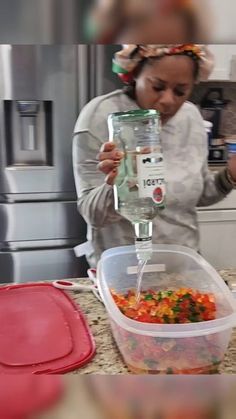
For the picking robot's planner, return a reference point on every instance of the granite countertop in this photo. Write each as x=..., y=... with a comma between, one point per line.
x=216, y=167
x=108, y=359
x=78, y=401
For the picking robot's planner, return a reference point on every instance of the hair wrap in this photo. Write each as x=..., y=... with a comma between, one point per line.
x=127, y=60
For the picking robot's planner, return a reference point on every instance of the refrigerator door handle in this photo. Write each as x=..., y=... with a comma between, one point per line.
x=83, y=90
x=99, y=75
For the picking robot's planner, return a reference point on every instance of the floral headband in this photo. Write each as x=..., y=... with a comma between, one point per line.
x=126, y=61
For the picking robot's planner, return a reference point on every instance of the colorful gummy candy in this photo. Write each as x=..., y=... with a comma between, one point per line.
x=184, y=305
x=166, y=355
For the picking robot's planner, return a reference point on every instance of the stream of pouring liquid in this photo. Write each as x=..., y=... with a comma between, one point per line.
x=141, y=267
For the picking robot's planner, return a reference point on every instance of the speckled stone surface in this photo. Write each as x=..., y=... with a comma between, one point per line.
x=107, y=359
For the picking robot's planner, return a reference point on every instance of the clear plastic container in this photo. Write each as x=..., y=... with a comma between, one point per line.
x=192, y=348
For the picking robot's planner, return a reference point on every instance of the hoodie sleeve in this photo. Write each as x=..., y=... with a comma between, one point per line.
x=216, y=186
x=95, y=197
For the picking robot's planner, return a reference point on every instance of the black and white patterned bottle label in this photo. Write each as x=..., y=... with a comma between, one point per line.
x=150, y=175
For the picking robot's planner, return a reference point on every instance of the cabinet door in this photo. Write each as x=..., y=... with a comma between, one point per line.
x=217, y=237
x=223, y=55
x=223, y=14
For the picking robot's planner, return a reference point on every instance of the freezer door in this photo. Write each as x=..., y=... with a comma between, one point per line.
x=31, y=224
x=41, y=265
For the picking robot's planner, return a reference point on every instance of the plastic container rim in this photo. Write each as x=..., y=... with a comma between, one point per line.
x=171, y=330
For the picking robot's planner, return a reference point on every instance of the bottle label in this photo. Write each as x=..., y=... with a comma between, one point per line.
x=150, y=174
x=131, y=270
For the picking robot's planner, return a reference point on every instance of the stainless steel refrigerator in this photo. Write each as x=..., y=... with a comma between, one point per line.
x=42, y=89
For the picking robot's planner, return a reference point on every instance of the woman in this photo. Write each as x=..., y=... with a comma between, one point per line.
x=160, y=78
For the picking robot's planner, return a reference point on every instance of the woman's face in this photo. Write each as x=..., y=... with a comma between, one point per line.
x=165, y=84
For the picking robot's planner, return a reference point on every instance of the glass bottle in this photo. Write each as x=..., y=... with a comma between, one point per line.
x=139, y=190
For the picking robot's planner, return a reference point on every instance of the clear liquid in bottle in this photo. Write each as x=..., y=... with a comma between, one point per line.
x=139, y=190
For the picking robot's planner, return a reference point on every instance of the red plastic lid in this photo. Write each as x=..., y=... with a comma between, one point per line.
x=24, y=395
x=42, y=331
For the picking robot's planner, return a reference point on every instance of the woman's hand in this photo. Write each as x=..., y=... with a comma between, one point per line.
x=109, y=158
x=232, y=167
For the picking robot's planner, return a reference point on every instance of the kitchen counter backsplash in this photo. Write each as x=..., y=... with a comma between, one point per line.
x=228, y=120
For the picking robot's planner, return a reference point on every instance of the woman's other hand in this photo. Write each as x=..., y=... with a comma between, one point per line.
x=109, y=160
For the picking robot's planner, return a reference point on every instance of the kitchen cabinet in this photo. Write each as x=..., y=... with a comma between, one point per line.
x=217, y=225
x=223, y=57
x=222, y=17
x=218, y=237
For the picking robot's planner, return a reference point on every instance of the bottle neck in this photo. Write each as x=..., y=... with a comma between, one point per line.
x=143, y=240
x=143, y=230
